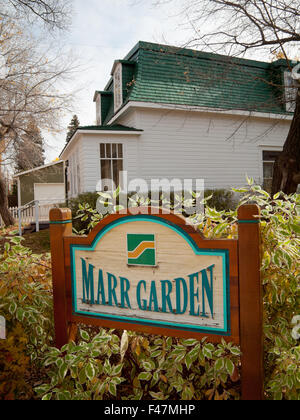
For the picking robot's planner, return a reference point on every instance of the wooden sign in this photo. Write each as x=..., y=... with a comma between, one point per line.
x=155, y=274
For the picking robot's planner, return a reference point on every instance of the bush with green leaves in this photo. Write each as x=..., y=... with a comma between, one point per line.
x=280, y=230
x=134, y=367
x=220, y=199
x=27, y=306
x=126, y=365
x=75, y=204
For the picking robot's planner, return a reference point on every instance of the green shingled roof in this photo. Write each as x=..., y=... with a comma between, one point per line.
x=170, y=75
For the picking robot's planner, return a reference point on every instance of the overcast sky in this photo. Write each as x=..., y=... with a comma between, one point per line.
x=103, y=31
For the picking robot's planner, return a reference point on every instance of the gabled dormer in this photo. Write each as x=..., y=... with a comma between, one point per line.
x=115, y=95
x=289, y=85
x=290, y=89
x=123, y=79
x=103, y=100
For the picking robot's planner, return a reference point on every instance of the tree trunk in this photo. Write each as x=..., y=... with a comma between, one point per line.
x=286, y=175
x=4, y=212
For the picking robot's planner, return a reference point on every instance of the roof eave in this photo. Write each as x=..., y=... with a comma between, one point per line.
x=179, y=107
x=37, y=169
x=104, y=132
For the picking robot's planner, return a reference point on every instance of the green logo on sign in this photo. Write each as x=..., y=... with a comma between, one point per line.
x=141, y=250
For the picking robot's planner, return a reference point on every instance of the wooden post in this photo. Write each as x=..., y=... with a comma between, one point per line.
x=60, y=226
x=251, y=306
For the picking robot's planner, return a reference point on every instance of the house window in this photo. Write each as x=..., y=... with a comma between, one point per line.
x=111, y=161
x=269, y=158
x=98, y=110
x=291, y=89
x=118, y=95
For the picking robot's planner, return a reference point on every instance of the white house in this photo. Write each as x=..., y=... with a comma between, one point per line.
x=178, y=113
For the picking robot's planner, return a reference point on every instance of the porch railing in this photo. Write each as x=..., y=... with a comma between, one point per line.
x=31, y=212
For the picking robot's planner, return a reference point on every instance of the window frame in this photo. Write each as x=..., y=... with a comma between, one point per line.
x=112, y=159
x=118, y=87
x=290, y=92
x=264, y=150
x=98, y=110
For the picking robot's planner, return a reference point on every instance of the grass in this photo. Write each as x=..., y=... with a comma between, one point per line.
x=38, y=242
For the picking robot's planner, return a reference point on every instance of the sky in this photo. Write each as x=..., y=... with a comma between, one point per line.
x=101, y=32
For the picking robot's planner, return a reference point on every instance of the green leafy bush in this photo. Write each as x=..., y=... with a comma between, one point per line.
x=26, y=304
x=136, y=367
x=125, y=365
x=280, y=221
x=221, y=199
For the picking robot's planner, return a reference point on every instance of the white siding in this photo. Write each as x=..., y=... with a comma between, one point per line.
x=129, y=118
x=76, y=168
x=90, y=156
x=219, y=148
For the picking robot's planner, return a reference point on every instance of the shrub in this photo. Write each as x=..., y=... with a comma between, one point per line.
x=221, y=199
x=89, y=199
x=26, y=304
x=136, y=367
x=280, y=217
x=126, y=365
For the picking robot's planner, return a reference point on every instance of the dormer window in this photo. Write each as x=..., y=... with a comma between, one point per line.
x=118, y=93
x=291, y=89
x=98, y=110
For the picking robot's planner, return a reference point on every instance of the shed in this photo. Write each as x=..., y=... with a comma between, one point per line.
x=45, y=184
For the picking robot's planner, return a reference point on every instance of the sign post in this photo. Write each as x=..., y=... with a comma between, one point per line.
x=251, y=307
x=60, y=227
x=151, y=272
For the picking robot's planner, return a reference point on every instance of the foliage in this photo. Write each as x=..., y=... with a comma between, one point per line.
x=136, y=367
x=281, y=278
x=221, y=199
x=26, y=304
x=280, y=217
x=86, y=216
x=125, y=365
x=31, y=76
x=14, y=364
x=86, y=200
x=72, y=127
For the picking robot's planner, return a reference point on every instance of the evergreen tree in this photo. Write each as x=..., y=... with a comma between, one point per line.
x=72, y=127
x=29, y=150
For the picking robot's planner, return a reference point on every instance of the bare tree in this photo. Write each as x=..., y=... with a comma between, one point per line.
x=29, y=82
x=29, y=150
x=53, y=13
x=243, y=27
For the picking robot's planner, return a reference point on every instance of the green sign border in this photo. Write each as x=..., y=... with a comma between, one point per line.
x=224, y=253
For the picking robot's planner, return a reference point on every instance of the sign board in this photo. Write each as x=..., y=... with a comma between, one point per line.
x=143, y=270
x=153, y=274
